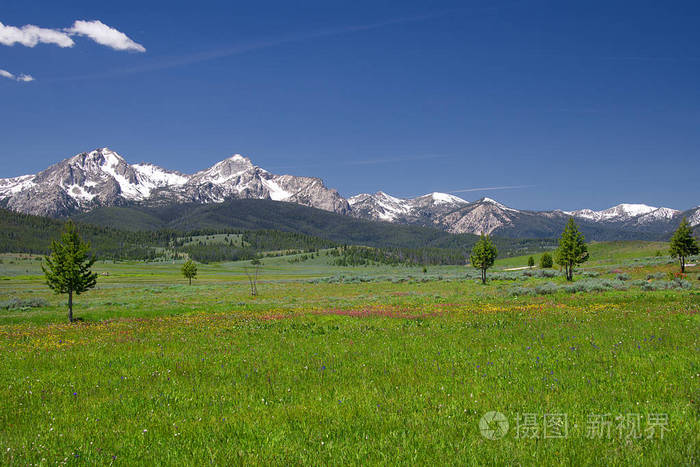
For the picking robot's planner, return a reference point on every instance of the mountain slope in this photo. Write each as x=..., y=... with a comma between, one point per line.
x=250, y=214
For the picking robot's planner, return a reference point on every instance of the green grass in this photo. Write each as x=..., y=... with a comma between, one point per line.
x=601, y=253
x=378, y=372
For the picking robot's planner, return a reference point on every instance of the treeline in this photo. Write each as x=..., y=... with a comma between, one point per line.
x=273, y=240
x=24, y=233
x=217, y=252
x=254, y=244
x=360, y=256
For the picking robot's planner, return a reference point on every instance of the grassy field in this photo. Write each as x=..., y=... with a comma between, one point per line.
x=329, y=365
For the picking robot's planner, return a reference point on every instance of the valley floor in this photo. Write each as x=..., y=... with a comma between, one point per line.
x=372, y=365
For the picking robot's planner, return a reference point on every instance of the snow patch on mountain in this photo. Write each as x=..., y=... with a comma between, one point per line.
x=277, y=193
x=151, y=176
x=694, y=218
x=79, y=193
x=10, y=186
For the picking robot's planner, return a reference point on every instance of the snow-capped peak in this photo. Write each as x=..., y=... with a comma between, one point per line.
x=497, y=204
x=388, y=197
x=630, y=209
x=446, y=198
x=624, y=211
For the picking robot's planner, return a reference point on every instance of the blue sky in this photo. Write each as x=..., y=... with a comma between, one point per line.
x=584, y=104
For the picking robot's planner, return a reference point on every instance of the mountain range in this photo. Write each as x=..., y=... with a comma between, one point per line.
x=102, y=178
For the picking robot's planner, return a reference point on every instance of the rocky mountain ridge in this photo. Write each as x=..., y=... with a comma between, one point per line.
x=104, y=178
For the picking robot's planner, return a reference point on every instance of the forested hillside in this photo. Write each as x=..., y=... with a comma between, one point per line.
x=257, y=226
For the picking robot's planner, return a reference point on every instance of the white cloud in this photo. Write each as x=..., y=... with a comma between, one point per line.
x=30, y=35
x=104, y=35
x=23, y=78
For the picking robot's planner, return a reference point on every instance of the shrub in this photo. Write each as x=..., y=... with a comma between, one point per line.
x=546, y=261
x=622, y=277
x=520, y=291
x=22, y=304
x=504, y=276
x=596, y=286
x=667, y=285
x=619, y=285
x=546, y=289
x=575, y=287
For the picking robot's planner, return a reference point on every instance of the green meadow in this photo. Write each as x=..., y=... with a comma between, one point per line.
x=355, y=365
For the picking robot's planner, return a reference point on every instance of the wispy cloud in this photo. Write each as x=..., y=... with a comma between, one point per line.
x=30, y=35
x=348, y=162
x=244, y=47
x=393, y=160
x=12, y=76
x=492, y=188
x=105, y=35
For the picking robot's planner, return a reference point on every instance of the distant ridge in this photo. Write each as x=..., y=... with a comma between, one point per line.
x=103, y=178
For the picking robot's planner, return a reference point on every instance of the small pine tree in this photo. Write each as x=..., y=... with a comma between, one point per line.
x=530, y=262
x=683, y=244
x=252, y=274
x=546, y=261
x=483, y=255
x=189, y=270
x=67, y=268
x=572, y=249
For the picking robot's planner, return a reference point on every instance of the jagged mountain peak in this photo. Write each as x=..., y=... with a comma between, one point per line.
x=385, y=195
x=103, y=177
x=493, y=202
x=226, y=169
